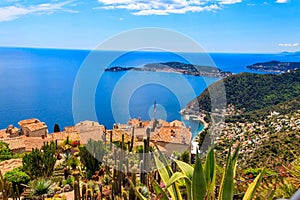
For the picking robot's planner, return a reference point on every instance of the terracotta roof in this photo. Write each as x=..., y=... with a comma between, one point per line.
x=28, y=121
x=14, y=143
x=164, y=123
x=117, y=135
x=70, y=129
x=8, y=165
x=145, y=123
x=85, y=136
x=36, y=126
x=74, y=136
x=3, y=134
x=134, y=121
x=172, y=135
x=176, y=123
x=33, y=142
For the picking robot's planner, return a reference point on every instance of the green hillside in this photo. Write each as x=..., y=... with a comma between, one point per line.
x=253, y=91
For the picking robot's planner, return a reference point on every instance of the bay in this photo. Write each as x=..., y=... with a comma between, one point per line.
x=38, y=83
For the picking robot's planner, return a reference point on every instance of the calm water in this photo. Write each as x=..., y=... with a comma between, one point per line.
x=39, y=83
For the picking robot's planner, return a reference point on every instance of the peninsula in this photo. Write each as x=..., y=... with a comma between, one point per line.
x=176, y=67
x=275, y=66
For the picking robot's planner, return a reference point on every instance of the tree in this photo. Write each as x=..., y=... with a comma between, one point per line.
x=185, y=156
x=5, y=153
x=56, y=128
x=40, y=163
x=91, y=156
x=17, y=177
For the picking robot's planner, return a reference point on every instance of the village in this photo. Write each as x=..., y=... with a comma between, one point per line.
x=255, y=135
x=169, y=136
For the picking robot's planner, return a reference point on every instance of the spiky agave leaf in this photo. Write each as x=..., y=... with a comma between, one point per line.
x=253, y=186
x=198, y=181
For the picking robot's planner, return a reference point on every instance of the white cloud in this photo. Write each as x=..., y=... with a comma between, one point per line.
x=12, y=12
x=281, y=1
x=164, y=7
x=288, y=44
x=230, y=1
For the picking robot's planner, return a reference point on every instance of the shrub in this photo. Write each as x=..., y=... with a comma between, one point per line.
x=5, y=153
x=17, y=178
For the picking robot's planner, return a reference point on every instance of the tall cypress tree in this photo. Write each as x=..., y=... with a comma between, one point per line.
x=56, y=128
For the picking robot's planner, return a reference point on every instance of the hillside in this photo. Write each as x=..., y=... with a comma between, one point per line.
x=272, y=142
x=286, y=107
x=263, y=114
x=251, y=91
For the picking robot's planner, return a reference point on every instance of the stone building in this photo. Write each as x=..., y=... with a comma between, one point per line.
x=33, y=128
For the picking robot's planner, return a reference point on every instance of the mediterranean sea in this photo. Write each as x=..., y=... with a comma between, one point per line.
x=39, y=83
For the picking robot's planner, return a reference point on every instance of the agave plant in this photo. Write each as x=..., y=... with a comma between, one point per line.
x=200, y=181
x=41, y=187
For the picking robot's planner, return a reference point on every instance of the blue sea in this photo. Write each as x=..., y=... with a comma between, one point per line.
x=46, y=83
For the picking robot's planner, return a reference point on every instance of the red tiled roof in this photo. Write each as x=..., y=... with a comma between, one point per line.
x=28, y=121
x=14, y=143
x=70, y=129
x=3, y=134
x=36, y=126
x=172, y=135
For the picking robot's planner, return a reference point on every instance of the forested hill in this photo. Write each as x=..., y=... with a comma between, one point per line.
x=252, y=91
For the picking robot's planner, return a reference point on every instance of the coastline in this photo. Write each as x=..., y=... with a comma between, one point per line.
x=196, y=118
x=205, y=126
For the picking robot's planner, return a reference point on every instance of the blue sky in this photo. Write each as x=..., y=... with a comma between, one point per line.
x=217, y=25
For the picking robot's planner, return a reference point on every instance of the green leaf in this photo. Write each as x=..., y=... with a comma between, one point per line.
x=198, y=181
x=226, y=187
x=138, y=194
x=210, y=172
x=158, y=190
x=187, y=169
x=253, y=186
x=165, y=174
x=271, y=193
x=178, y=176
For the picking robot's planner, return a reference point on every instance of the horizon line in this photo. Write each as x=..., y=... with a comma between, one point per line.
x=148, y=50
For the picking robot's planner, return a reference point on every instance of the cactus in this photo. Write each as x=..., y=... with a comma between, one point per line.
x=131, y=191
x=76, y=190
x=89, y=195
x=5, y=187
x=122, y=143
x=113, y=189
x=91, y=156
x=83, y=191
x=142, y=171
x=132, y=140
x=100, y=190
x=110, y=140
x=125, y=195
